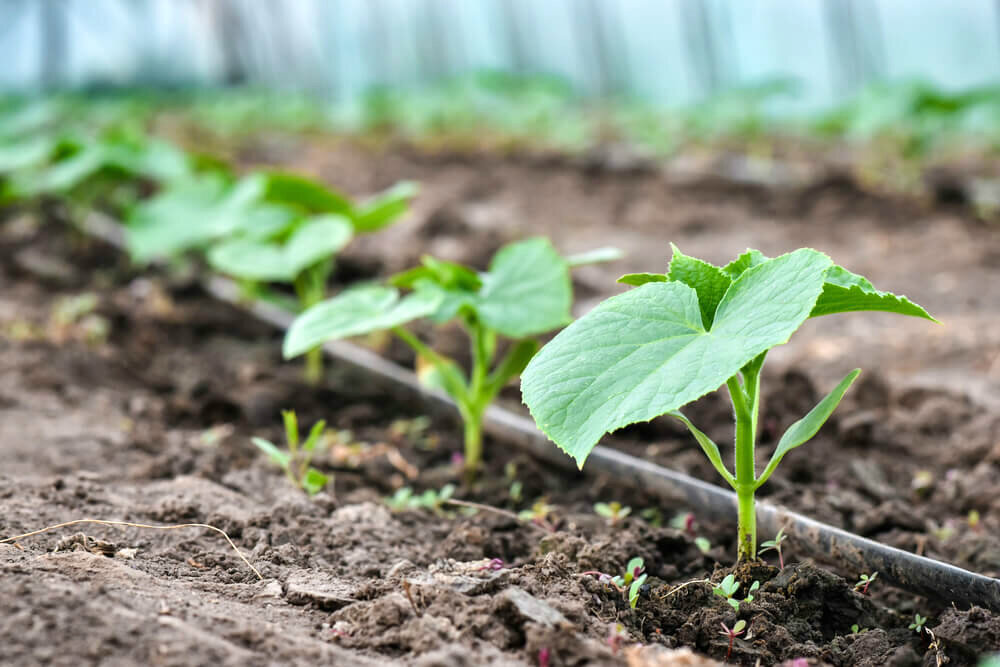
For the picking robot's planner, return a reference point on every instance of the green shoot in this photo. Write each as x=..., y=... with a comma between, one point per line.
x=918, y=623
x=864, y=582
x=295, y=461
x=680, y=335
x=613, y=511
x=775, y=545
x=525, y=293
x=857, y=629
x=738, y=629
x=629, y=584
x=405, y=499
x=727, y=589
x=539, y=514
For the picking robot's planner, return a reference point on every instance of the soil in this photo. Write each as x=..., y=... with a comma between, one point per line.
x=133, y=397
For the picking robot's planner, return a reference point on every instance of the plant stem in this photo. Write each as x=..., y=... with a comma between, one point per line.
x=310, y=286
x=746, y=474
x=473, y=442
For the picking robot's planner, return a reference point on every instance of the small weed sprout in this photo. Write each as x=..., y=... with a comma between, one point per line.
x=732, y=633
x=857, y=630
x=918, y=623
x=539, y=514
x=703, y=544
x=864, y=581
x=653, y=516
x=727, y=589
x=775, y=545
x=613, y=511
x=616, y=637
x=295, y=462
x=680, y=335
x=405, y=499
x=629, y=584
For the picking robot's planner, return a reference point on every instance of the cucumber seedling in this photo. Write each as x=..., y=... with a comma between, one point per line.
x=680, y=335
x=525, y=293
x=302, y=252
x=295, y=461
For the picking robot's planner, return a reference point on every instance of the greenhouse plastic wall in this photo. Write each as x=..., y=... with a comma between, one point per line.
x=663, y=51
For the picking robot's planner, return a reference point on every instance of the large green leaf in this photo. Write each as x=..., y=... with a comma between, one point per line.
x=191, y=214
x=846, y=292
x=25, y=153
x=357, y=311
x=527, y=290
x=804, y=429
x=708, y=281
x=644, y=353
x=274, y=261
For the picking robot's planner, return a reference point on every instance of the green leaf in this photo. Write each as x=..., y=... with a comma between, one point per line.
x=633, y=591
x=385, y=207
x=708, y=281
x=747, y=260
x=314, y=435
x=595, y=256
x=357, y=311
x=25, y=153
x=527, y=290
x=314, y=481
x=303, y=193
x=191, y=214
x=314, y=240
x=276, y=455
x=804, y=429
x=642, y=278
x=846, y=292
x=708, y=446
x=645, y=353
x=291, y=423
x=443, y=374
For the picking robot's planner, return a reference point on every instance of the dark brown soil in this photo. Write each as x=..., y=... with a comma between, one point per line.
x=140, y=406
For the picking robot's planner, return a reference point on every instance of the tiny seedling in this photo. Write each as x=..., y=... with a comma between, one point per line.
x=918, y=623
x=295, y=461
x=775, y=545
x=727, y=589
x=864, y=581
x=405, y=499
x=703, y=544
x=539, y=514
x=613, y=511
x=732, y=633
x=857, y=629
x=525, y=293
x=629, y=584
x=680, y=335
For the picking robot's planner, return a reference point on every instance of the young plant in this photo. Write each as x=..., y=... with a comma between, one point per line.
x=738, y=629
x=613, y=511
x=406, y=499
x=632, y=581
x=679, y=335
x=727, y=589
x=775, y=545
x=864, y=582
x=302, y=253
x=918, y=623
x=295, y=462
x=525, y=292
x=629, y=584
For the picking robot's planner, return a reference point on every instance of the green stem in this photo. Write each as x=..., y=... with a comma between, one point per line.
x=746, y=474
x=473, y=442
x=310, y=287
x=483, y=347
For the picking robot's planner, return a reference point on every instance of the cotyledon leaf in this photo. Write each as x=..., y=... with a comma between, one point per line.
x=644, y=353
x=804, y=429
x=357, y=311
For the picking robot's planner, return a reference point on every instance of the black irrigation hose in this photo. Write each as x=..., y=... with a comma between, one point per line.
x=913, y=573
